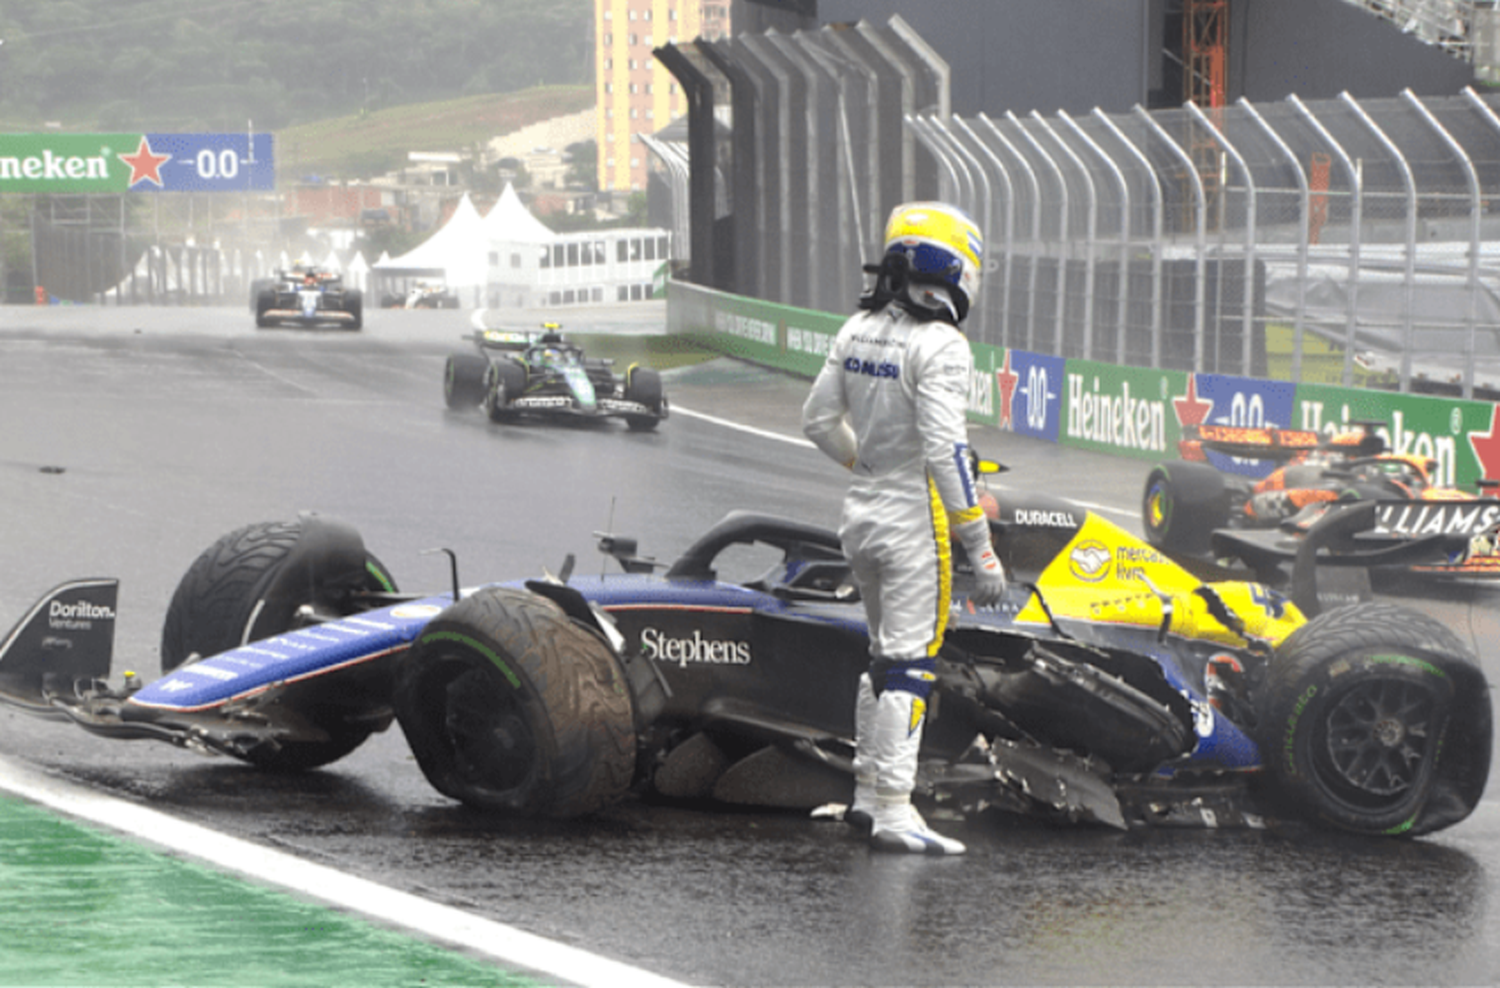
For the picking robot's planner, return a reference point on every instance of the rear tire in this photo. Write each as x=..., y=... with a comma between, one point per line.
x=463, y=380
x=354, y=304
x=1376, y=719
x=265, y=302
x=249, y=585
x=511, y=707
x=1181, y=506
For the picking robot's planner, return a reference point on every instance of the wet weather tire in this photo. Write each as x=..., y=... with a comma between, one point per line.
x=354, y=304
x=265, y=302
x=463, y=380
x=249, y=585
x=511, y=707
x=1181, y=506
x=1376, y=719
x=506, y=383
x=643, y=386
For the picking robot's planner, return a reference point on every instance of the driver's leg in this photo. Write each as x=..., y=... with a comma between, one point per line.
x=913, y=601
x=894, y=736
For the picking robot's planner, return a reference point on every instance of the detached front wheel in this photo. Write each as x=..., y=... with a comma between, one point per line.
x=1376, y=719
x=252, y=584
x=511, y=707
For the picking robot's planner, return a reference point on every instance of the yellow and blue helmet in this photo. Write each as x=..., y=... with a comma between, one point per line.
x=941, y=244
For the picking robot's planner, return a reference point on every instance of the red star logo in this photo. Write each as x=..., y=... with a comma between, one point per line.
x=1487, y=448
x=1007, y=379
x=1190, y=409
x=144, y=165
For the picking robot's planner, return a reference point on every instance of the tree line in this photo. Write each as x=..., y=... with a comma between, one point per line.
x=201, y=65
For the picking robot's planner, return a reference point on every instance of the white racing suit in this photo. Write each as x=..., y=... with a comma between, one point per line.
x=890, y=404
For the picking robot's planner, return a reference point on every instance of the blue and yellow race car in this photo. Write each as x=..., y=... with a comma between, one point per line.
x=1109, y=686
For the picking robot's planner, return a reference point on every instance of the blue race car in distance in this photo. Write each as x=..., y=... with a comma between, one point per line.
x=307, y=295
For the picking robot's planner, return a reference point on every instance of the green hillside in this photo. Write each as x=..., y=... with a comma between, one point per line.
x=189, y=65
x=364, y=144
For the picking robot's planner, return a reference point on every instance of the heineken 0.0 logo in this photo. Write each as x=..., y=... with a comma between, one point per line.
x=103, y=163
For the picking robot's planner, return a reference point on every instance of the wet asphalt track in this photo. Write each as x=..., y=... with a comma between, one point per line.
x=197, y=424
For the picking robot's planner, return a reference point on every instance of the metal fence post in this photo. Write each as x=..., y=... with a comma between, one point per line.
x=1476, y=219
x=1408, y=334
x=985, y=194
x=1036, y=225
x=1124, y=259
x=1064, y=244
x=1200, y=226
x=1248, y=297
x=1008, y=241
x=1091, y=233
x=1304, y=213
x=1356, y=210
x=1158, y=226
x=958, y=190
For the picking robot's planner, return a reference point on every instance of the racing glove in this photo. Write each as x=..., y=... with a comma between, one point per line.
x=989, y=575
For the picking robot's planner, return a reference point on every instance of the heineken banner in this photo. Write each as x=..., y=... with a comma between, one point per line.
x=66, y=164
x=1129, y=411
x=1458, y=436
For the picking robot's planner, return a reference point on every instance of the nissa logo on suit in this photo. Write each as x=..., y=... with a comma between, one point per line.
x=870, y=368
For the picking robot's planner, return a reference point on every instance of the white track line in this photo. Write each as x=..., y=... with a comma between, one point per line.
x=800, y=441
x=511, y=947
x=741, y=427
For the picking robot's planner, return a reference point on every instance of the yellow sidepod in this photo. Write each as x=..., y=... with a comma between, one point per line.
x=1107, y=576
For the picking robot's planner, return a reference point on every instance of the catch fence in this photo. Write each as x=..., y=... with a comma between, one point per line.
x=1347, y=241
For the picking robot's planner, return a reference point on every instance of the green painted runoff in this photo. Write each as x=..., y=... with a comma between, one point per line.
x=84, y=907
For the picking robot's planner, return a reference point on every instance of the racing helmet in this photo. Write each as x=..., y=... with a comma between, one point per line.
x=940, y=245
x=551, y=357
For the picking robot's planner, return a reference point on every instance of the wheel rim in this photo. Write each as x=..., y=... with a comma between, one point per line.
x=493, y=744
x=1157, y=507
x=1379, y=737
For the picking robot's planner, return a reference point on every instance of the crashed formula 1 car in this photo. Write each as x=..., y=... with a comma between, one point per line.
x=1109, y=686
x=516, y=374
x=1194, y=508
x=309, y=296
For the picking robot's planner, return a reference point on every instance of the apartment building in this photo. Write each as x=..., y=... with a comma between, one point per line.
x=636, y=95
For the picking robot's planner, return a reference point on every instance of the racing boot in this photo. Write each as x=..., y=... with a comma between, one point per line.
x=895, y=738
x=899, y=827
x=859, y=812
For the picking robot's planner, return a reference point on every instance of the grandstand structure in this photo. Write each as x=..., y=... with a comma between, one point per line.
x=1464, y=28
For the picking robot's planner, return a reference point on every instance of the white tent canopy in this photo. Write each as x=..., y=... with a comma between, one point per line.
x=457, y=252
x=510, y=221
x=357, y=274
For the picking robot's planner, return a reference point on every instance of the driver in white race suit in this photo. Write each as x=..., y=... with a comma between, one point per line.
x=890, y=404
